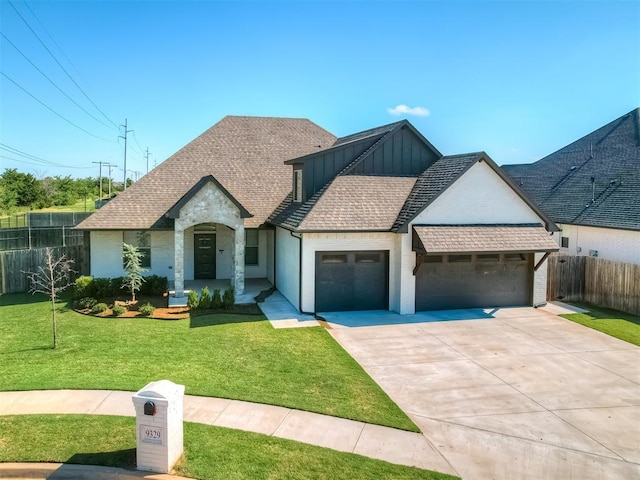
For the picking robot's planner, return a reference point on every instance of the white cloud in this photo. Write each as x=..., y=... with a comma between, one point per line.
x=406, y=110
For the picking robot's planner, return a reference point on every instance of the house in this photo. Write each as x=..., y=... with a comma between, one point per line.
x=591, y=189
x=375, y=220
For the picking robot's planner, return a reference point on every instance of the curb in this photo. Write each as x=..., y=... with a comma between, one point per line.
x=65, y=471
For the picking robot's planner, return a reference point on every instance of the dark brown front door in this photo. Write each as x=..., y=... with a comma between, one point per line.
x=204, y=256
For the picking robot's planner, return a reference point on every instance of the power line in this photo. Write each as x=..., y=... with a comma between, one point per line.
x=22, y=160
x=42, y=161
x=51, y=109
x=59, y=64
x=51, y=37
x=52, y=82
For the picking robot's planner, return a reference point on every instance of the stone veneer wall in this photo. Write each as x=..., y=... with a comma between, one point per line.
x=210, y=205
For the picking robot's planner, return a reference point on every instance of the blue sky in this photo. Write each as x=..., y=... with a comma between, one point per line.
x=516, y=79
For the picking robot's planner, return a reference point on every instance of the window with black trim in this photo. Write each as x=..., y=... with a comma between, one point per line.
x=140, y=239
x=367, y=258
x=564, y=242
x=251, y=246
x=297, y=185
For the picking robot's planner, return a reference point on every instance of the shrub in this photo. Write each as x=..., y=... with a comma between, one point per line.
x=99, y=308
x=228, y=299
x=216, y=300
x=83, y=287
x=154, y=285
x=102, y=288
x=192, y=300
x=118, y=310
x=205, y=299
x=146, y=310
x=85, y=302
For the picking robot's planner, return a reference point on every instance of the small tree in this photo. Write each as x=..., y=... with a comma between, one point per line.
x=133, y=266
x=51, y=279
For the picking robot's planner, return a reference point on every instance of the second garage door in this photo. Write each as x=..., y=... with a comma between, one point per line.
x=474, y=280
x=352, y=280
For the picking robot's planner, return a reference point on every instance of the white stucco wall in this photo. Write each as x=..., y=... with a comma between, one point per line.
x=106, y=254
x=319, y=242
x=612, y=244
x=479, y=196
x=269, y=235
x=224, y=259
x=288, y=266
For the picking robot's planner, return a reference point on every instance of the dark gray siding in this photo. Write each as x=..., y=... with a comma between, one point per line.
x=321, y=169
x=403, y=153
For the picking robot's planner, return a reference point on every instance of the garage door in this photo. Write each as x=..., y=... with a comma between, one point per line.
x=474, y=280
x=352, y=281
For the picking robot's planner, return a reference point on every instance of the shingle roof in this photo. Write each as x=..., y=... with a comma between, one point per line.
x=485, y=238
x=562, y=184
x=359, y=202
x=244, y=154
x=432, y=182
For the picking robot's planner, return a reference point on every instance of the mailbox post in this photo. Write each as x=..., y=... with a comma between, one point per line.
x=159, y=435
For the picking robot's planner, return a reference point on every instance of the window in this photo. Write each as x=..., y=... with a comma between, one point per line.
x=367, y=258
x=142, y=241
x=564, y=242
x=297, y=185
x=459, y=258
x=514, y=257
x=432, y=259
x=251, y=246
x=488, y=257
x=335, y=258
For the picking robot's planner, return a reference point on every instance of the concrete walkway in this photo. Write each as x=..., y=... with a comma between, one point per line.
x=282, y=314
x=507, y=393
x=374, y=441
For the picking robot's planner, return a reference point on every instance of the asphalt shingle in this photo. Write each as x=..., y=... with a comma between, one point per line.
x=244, y=154
x=593, y=181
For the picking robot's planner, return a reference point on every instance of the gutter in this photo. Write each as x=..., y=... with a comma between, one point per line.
x=300, y=274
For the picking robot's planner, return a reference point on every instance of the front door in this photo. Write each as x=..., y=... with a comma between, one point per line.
x=204, y=256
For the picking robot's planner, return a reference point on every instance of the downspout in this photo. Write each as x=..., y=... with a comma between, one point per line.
x=275, y=268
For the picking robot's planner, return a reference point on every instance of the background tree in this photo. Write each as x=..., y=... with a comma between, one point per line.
x=51, y=279
x=133, y=266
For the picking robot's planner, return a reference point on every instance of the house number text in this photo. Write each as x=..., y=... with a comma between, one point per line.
x=151, y=434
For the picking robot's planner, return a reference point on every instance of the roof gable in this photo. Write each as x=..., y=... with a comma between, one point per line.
x=438, y=179
x=174, y=212
x=593, y=181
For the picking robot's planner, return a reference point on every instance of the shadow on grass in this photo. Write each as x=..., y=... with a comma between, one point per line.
x=33, y=349
x=118, y=458
x=8, y=299
x=212, y=319
x=602, y=313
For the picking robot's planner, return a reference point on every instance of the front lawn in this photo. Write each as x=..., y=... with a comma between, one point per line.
x=223, y=355
x=624, y=326
x=210, y=452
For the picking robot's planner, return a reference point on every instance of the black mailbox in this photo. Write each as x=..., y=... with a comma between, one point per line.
x=149, y=408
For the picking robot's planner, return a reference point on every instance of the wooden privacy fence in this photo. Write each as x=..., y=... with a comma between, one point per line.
x=14, y=263
x=594, y=280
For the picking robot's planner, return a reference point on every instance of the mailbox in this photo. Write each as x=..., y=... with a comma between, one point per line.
x=159, y=435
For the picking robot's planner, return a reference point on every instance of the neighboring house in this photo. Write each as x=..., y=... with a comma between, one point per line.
x=591, y=189
x=376, y=220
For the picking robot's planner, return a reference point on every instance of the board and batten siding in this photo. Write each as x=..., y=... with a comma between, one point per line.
x=288, y=266
x=321, y=242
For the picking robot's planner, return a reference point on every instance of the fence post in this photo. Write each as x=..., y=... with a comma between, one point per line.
x=29, y=232
x=63, y=237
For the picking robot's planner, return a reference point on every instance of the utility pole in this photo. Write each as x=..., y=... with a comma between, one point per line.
x=111, y=166
x=147, y=157
x=100, y=163
x=125, y=151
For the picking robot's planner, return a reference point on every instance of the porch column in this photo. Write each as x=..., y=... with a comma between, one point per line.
x=238, y=260
x=178, y=261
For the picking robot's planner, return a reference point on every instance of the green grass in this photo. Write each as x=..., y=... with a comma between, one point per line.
x=210, y=452
x=223, y=355
x=624, y=326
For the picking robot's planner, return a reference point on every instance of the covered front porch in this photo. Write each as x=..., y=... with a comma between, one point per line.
x=252, y=288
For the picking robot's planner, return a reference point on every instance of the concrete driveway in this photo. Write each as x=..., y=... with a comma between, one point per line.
x=515, y=393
